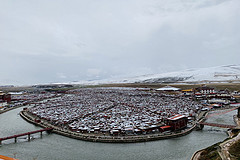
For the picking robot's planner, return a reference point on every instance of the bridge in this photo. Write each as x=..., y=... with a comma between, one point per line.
x=26, y=134
x=218, y=125
x=202, y=122
x=221, y=112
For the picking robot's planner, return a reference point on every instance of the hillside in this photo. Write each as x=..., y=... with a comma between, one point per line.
x=219, y=74
x=228, y=73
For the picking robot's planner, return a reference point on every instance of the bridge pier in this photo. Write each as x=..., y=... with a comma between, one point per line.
x=28, y=134
x=29, y=137
x=199, y=126
x=217, y=125
x=238, y=115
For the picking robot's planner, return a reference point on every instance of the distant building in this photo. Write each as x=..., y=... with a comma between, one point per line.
x=187, y=92
x=177, y=122
x=205, y=90
x=219, y=101
x=5, y=97
x=143, y=89
x=220, y=96
x=168, y=89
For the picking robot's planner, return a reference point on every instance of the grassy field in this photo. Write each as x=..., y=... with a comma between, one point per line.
x=210, y=153
x=217, y=86
x=234, y=150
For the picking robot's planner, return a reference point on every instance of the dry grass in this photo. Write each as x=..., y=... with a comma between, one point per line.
x=210, y=153
x=217, y=86
x=234, y=150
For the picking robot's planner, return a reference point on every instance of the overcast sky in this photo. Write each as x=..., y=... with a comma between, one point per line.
x=46, y=41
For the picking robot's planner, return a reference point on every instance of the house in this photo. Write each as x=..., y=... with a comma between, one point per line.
x=187, y=92
x=5, y=97
x=177, y=122
x=205, y=90
x=168, y=89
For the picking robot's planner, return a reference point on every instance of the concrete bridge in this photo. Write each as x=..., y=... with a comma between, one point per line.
x=201, y=123
x=218, y=125
x=26, y=134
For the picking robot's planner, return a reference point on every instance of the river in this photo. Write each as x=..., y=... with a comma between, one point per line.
x=56, y=147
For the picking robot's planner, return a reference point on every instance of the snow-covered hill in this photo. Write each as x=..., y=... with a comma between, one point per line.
x=228, y=73
x=225, y=74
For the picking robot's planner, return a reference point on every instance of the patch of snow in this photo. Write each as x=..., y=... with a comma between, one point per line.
x=220, y=74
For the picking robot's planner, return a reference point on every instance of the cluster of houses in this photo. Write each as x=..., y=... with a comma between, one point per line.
x=206, y=94
x=121, y=110
x=213, y=98
x=16, y=99
x=5, y=99
x=117, y=111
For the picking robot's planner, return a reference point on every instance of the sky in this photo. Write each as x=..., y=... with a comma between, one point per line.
x=53, y=41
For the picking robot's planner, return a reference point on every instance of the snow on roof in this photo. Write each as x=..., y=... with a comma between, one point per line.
x=168, y=88
x=176, y=117
x=15, y=93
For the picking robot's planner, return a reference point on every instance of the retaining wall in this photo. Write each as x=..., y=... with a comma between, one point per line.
x=107, y=139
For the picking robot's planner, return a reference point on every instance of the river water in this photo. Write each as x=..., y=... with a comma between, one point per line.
x=56, y=147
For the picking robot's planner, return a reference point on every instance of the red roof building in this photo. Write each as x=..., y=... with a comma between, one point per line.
x=5, y=97
x=6, y=158
x=177, y=122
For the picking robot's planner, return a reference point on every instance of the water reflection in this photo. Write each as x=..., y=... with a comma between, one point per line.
x=57, y=147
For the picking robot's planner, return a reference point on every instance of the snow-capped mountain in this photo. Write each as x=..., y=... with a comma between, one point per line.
x=227, y=73
x=220, y=74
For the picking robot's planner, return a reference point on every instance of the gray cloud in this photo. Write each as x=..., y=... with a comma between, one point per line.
x=58, y=41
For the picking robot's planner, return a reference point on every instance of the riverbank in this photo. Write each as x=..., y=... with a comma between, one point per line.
x=69, y=148
x=26, y=103
x=221, y=150
x=9, y=109
x=106, y=139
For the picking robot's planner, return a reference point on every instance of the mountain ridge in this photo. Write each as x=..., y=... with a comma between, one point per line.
x=225, y=73
x=219, y=74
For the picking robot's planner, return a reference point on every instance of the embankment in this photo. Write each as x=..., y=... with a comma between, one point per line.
x=221, y=150
x=9, y=109
x=107, y=139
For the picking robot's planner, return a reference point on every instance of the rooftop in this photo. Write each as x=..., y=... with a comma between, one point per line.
x=176, y=117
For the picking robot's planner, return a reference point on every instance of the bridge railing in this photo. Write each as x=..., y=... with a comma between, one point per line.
x=25, y=134
x=218, y=125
